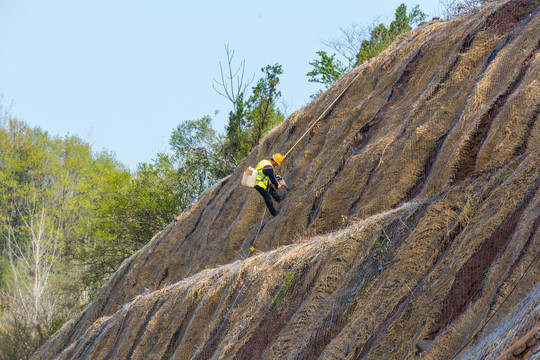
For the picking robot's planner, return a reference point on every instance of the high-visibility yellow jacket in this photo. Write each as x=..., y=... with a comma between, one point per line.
x=262, y=180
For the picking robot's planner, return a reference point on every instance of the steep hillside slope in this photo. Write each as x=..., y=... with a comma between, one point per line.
x=413, y=218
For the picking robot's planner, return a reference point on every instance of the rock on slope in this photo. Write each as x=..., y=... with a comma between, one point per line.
x=413, y=217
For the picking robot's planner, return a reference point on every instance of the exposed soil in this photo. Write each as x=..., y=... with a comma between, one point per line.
x=509, y=16
x=468, y=158
x=469, y=280
x=274, y=320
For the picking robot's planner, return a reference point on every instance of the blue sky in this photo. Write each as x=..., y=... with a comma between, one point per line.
x=123, y=74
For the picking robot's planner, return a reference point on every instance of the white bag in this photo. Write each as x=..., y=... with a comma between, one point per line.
x=249, y=178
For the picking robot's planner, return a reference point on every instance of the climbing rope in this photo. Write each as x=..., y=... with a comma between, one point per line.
x=305, y=133
x=322, y=115
x=260, y=226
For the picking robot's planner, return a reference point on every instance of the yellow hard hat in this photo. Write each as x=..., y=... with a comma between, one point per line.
x=278, y=158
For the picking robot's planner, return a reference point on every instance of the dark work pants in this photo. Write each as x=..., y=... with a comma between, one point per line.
x=268, y=199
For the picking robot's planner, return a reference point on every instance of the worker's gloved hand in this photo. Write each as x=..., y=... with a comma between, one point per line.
x=280, y=180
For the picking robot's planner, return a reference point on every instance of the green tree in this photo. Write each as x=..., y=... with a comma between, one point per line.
x=327, y=70
x=356, y=48
x=194, y=144
x=263, y=112
x=236, y=145
x=48, y=191
x=69, y=217
x=136, y=206
x=133, y=208
x=253, y=118
x=381, y=36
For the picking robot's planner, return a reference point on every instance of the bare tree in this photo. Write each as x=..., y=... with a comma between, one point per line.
x=349, y=42
x=226, y=87
x=31, y=306
x=453, y=8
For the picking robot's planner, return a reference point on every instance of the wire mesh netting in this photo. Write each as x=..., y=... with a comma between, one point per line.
x=411, y=228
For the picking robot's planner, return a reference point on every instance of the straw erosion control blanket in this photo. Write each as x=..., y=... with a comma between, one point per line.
x=411, y=228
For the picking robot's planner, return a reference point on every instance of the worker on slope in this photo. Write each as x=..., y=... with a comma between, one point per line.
x=266, y=182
